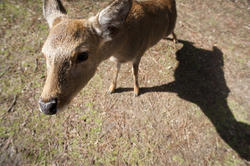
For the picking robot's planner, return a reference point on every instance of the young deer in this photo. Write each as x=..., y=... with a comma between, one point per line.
x=122, y=31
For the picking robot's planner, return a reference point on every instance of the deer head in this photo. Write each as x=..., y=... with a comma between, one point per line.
x=74, y=49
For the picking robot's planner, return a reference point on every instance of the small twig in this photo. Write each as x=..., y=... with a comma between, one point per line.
x=10, y=109
x=36, y=67
x=7, y=143
x=4, y=72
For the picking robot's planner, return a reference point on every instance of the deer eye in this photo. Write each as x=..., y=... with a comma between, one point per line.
x=83, y=56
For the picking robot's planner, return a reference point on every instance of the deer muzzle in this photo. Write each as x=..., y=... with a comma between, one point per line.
x=48, y=108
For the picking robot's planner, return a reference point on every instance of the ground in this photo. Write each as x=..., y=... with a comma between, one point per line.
x=193, y=108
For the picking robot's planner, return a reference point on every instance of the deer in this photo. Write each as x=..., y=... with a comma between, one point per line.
x=74, y=48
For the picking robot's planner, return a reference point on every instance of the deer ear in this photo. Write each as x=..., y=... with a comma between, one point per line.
x=112, y=17
x=53, y=9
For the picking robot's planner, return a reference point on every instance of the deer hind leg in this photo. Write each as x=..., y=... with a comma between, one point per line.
x=135, y=75
x=174, y=38
x=113, y=85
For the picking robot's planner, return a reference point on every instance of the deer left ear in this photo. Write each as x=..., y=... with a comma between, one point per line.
x=53, y=9
x=112, y=17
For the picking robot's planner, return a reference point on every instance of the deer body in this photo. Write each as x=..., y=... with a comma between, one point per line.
x=145, y=25
x=123, y=31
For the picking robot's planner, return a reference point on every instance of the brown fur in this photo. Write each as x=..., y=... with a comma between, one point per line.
x=146, y=23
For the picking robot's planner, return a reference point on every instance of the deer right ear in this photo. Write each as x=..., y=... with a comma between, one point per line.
x=53, y=9
x=112, y=17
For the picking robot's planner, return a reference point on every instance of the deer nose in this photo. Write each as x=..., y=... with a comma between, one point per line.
x=48, y=108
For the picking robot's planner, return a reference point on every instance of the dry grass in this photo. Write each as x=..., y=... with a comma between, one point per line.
x=193, y=110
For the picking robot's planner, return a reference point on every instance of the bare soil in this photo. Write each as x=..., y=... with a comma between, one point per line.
x=193, y=108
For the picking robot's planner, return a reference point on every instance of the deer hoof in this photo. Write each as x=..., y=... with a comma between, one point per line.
x=136, y=92
x=112, y=89
x=136, y=95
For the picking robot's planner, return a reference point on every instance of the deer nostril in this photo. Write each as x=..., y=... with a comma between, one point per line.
x=48, y=108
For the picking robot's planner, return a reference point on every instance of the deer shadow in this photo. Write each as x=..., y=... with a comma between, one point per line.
x=199, y=78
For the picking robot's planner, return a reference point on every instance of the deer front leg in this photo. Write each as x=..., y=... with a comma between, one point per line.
x=113, y=85
x=135, y=75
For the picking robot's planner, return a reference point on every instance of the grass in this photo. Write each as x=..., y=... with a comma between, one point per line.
x=171, y=123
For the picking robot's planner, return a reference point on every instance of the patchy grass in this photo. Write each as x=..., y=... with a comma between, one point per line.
x=193, y=110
